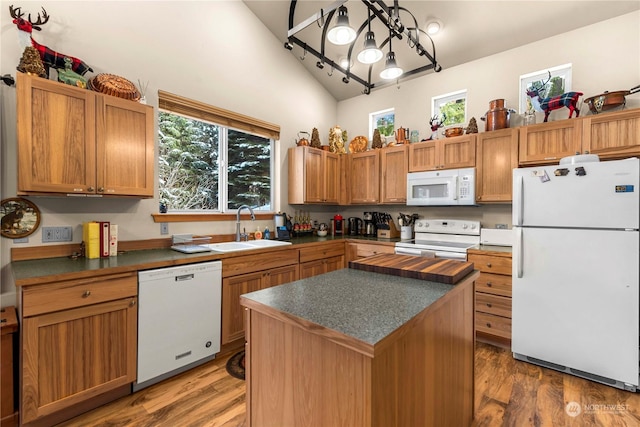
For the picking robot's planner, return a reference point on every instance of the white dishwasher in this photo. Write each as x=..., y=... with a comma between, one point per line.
x=179, y=315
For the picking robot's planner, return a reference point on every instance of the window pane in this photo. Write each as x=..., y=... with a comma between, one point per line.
x=188, y=162
x=385, y=123
x=249, y=170
x=451, y=108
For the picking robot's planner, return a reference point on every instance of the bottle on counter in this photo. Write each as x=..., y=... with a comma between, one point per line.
x=267, y=234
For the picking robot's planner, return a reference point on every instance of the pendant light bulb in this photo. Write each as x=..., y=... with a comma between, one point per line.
x=342, y=33
x=370, y=54
x=391, y=70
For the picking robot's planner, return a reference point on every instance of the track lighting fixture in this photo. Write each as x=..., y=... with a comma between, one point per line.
x=333, y=24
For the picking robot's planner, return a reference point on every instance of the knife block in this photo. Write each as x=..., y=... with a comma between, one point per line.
x=389, y=233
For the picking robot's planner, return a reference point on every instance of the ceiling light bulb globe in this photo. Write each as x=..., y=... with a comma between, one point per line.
x=370, y=54
x=391, y=69
x=433, y=27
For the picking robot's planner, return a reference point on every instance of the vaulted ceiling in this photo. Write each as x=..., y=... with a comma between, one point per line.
x=471, y=30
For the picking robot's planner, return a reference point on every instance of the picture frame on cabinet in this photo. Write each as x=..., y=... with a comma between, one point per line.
x=20, y=217
x=559, y=84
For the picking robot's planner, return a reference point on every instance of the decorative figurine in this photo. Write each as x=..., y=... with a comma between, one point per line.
x=377, y=139
x=568, y=99
x=472, y=127
x=50, y=57
x=30, y=63
x=336, y=143
x=68, y=76
x=435, y=124
x=315, y=138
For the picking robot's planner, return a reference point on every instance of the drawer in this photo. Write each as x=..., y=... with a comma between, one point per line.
x=491, y=264
x=496, y=284
x=77, y=293
x=366, y=249
x=492, y=304
x=493, y=325
x=244, y=264
x=321, y=252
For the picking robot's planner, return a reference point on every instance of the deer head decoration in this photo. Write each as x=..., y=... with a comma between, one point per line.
x=567, y=99
x=50, y=57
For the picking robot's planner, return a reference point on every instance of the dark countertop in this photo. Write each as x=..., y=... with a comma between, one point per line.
x=362, y=305
x=38, y=271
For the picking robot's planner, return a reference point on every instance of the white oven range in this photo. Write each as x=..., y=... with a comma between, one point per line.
x=441, y=238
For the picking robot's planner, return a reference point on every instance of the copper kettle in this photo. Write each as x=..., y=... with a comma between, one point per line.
x=402, y=135
x=302, y=141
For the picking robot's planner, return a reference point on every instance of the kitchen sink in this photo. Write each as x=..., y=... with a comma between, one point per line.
x=243, y=246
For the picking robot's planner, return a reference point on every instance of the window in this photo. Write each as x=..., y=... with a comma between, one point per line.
x=208, y=166
x=559, y=83
x=450, y=108
x=384, y=121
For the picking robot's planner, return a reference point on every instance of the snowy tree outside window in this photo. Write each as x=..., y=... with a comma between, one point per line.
x=208, y=167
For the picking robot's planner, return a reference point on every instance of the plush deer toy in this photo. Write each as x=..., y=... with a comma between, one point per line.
x=50, y=58
x=567, y=99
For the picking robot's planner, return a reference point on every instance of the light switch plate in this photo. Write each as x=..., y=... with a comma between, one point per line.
x=164, y=228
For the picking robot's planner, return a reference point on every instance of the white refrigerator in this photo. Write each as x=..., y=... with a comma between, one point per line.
x=576, y=252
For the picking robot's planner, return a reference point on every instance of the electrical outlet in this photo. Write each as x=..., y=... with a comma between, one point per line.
x=57, y=234
x=164, y=228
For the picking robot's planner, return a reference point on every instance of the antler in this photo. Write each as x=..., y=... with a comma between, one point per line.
x=45, y=16
x=15, y=13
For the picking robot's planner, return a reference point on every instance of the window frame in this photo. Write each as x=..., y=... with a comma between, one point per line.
x=373, y=118
x=226, y=120
x=439, y=100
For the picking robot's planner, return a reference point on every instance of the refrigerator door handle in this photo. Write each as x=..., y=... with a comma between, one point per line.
x=518, y=247
x=518, y=208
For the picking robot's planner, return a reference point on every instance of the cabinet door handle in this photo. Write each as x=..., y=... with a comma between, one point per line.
x=86, y=294
x=91, y=189
x=132, y=303
x=100, y=189
x=489, y=264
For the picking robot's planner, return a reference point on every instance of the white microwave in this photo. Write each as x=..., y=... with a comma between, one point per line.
x=448, y=187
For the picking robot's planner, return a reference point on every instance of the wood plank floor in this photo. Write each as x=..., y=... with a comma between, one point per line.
x=509, y=393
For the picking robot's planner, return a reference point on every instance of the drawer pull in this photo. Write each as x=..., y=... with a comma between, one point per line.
x=489, y=304
x=489, y=284
x=488, y=325
x=489, y=264
x=86, y=294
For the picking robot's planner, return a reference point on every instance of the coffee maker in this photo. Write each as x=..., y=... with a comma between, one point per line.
x=355, y=225
x=369, y=226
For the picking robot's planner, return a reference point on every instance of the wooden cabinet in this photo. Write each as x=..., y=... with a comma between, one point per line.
x=321, y=258
x=493, y=296
x=248, y=273
x=357, y=250
x=496, y=157
x=75, y=141
x=78, y=341
x=447, y=153
x=364, y=177
x=314, y=176
x=8, y=367
x=611, y=135
x=394, y=166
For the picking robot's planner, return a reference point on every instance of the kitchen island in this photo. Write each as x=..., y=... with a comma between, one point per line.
x=356, y=348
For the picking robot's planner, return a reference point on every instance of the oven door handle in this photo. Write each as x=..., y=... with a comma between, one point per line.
x=461, y=256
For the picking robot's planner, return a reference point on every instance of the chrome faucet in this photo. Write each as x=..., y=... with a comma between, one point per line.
x=253, y=218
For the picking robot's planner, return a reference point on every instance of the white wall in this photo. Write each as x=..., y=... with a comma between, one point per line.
x=217, y=52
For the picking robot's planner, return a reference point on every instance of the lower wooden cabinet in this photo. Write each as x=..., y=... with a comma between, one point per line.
x=249, y=273
x=72, y=355
x=493, y=296
x=320, y=259
x=356, y=250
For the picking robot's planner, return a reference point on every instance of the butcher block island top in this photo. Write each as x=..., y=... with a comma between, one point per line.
x=360, y=348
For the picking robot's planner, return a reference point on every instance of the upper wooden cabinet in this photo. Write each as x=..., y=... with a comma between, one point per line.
x=394, y=166
x=497, y=156
x=447, y=153
x=611, y=135
x=364, y=177
x=75, y=141
x=547, y=143
x=314, y=176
